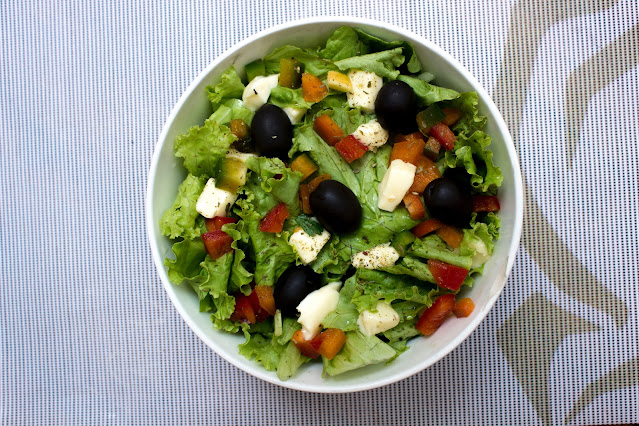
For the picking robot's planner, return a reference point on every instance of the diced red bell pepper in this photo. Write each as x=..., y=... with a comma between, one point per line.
x=274, y=219
x=303, y=345
x=265, y=298
x=328, y=129
x=433, y=317
x=446, y=275
x=329, y=342
x=260, y=313
x=451, y=235
x=444, y=135
x=350, y=148
x=217, y=243
x=464, y=307
x=414, y=205
x=243, y=310
x=485, y=203
x=216, y=223
x=426, y=227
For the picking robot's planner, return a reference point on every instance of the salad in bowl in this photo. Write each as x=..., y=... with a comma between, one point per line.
x=336, y=204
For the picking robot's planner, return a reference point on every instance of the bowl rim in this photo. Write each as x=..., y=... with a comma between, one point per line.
x=487, y=103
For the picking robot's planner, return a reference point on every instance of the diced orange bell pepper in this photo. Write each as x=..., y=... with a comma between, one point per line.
x=414, y=205
x=427, y=172
x=274, y=219
x=408, y=148
x=485, y=203
x=243, y=310
x=444, y=135
x=305, y=195
x=464, y=307
x=312, y=185
x=452, y=116
x=446, y=275
x=260, y=313
x=313, y=89
x=328, y=129
x=329, y=342
x=351, y=148
x=217, y=243
x=434, y=317
x=426, y=227
x=451, y=235
x=239, y=128
x=265, y=297
x=304, y=165
x=303, y=345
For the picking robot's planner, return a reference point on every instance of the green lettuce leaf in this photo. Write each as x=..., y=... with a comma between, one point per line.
x=261, y=349
x=203, y=147
x=478, y=241
x=348, y=119
x=240, y=276
x=344, y=43
x=408, y=316
x=289, y=327
x=232, y=109
x=358, y=351
x=468, y=103
x=286, y=97
x=384, y=63
x=411, y=267
x=313, y=64
x=291, y=359
x=180, y=220
x=345, y=315
x=433, y=247
x=224, y=306
x=189, y=254
x=427, y=94
x=374, y=286
x=472, y=153
x=284, y=189
x=229, y=87
x=214, y=276
x=375, y=44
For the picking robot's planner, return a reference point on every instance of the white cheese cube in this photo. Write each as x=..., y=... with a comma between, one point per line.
x=237, y=155
x=371, y=134
x=294, y=114
x=366, y=86
x=314, y=308
x=397, y=180
x=372, y=323
x=256, y=93
x=308, y=247
x=214, y=201
x=377, y=257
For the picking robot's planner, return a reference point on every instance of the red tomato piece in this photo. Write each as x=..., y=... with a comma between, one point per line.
x=260, y=314
x=217, y=243
x=444, y=135
x=303, y=345
x=426, y=227
x=274, y=219
x=447, y=275
x=433, y=317
x=485, y=203
x=243, y=310
x=350, y=148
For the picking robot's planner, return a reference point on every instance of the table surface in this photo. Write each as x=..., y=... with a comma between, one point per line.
x=88, y=334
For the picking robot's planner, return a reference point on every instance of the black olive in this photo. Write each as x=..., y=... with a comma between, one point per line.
x=293, y=286
x=396, y=107
x=336, y=207
x=449, y=201
x=271, y=132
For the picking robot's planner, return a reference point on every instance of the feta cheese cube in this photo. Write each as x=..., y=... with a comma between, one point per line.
x=256, y=93
x=294, y=114
x=395, y=184
x=371, y=134
x=366, y=85
x=308, y=247
x=377, y=257
x=214, y=201
x=314, y=308
x=372, y=323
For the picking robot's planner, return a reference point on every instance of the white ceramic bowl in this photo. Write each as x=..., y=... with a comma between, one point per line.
x=167, y=173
